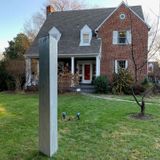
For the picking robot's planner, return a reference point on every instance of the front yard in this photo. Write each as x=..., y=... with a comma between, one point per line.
x=105, y=131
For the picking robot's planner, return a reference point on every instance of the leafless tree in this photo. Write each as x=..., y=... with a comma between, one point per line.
x=153, y=48
x=33, y=25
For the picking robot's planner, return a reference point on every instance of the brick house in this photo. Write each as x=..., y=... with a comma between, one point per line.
x=95, y=42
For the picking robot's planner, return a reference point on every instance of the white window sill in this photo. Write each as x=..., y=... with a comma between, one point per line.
x=83, y=44
x=122, y=44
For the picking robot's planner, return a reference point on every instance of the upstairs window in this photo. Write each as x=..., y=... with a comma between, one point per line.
x=122, y=37
x=85, y=36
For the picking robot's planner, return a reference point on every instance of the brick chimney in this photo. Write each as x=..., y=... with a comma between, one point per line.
x=49, y=10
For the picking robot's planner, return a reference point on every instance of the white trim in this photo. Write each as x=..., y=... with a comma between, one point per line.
x=116, y=10
x=97, y=66
x=116, y=64
x=122, y=16
x=126, y=64
x=83, y=63
x=72, y=65
x=115, y=37
x=129, y=36
x=116, y=67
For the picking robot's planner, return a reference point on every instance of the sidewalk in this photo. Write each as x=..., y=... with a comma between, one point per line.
x=114, y=99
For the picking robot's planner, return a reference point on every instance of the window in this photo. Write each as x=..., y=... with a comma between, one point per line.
x=122, y=37
x=120, y=64
x=122, y=16
x=85, y=38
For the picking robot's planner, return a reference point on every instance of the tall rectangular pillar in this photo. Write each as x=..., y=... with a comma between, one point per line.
x=72, y=65
x=48, y=133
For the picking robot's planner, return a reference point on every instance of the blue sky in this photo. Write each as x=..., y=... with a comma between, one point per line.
x=13, y=13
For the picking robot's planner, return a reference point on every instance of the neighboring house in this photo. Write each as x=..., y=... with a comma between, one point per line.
x=154, y=71
x=95, y=42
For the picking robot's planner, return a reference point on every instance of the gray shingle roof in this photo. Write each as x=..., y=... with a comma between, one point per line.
x=69, y=23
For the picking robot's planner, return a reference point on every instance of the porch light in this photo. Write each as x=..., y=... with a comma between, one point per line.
x=64, y=114
x=78, y=115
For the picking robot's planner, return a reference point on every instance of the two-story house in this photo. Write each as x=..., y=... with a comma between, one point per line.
x=96, y=42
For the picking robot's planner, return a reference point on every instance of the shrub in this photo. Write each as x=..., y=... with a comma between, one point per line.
x=101, y=84
x=6, y=81
x=146, y=84
x=122, y=82
x=66, y=81
x=156, y=89
x=138, y=89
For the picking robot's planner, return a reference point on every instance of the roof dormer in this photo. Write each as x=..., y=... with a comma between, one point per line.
x=54, y=32
x=85, y=36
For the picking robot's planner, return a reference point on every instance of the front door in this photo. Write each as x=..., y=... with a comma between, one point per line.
x=87, y=73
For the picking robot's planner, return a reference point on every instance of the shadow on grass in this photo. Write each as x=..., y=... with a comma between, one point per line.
x=38, y=156
x=138, y=116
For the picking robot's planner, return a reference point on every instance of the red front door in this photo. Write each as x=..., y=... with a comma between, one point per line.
x=87, y=74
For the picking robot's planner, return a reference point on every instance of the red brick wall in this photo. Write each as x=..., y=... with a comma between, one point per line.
x=111, y=52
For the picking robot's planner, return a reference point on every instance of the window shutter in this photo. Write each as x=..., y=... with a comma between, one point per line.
x=126, y=65
x=116, y=66
x=129, y=37
x=115, y=37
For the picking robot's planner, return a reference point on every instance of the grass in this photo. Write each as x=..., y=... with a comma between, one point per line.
x=105, y=131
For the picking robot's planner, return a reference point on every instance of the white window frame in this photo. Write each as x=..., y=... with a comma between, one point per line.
x=115, y=39
x=116, y=64
x=85, y=30
x=125, y=38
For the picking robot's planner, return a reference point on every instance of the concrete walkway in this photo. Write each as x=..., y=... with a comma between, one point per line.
x=114, y=99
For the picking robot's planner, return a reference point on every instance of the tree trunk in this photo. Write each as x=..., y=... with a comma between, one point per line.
x=143, y=108
x=136, y=75
x=18, y=84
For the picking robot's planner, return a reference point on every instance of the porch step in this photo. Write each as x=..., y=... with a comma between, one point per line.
x=85, y=88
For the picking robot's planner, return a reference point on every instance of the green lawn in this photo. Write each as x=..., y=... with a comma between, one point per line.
x=105, y=131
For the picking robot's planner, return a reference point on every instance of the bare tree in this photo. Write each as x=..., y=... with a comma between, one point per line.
x=62, y=5
x=33, y=25
x=148, y=53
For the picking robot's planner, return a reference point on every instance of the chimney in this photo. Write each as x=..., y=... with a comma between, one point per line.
x=49, y=10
